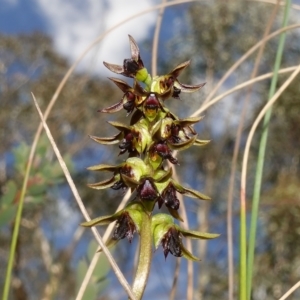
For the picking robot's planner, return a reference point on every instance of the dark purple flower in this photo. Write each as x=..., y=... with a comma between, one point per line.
x=169, y=197
x=171, y=242
x=162, y=149
x=130, y=65
x=125, y=227
x=147, y=190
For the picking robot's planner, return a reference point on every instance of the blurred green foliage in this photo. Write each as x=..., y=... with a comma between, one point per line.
x=44, y=174
x=99, y=279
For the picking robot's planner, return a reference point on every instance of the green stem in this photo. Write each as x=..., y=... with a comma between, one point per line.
x=145, y=256
x=261, y=157
x=15, y=233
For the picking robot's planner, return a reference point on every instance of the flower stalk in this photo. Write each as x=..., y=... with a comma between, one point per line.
x=145, y=257
x=152, y=135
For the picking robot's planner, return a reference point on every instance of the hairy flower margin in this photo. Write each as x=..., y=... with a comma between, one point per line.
x=150, y=139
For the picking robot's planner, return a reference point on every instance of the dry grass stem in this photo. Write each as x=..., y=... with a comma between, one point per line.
x=235, y=158
x=281, y=3
x=96, y=256
x=253, y=128
x=185, y=225
x=111, y=260
x=239, y=87
x=241, y=60
x=290, y=291
x=156, y=39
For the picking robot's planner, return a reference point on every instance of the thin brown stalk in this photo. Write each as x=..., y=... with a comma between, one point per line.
x=185, y=224
x=239, y=87
x=241, y=60
x=84, y=212
x=290, y=291
x=253, y=129
x=156, y=39
x=281, y=3
x=175, y=279
x=96, y=256
x=235, y=156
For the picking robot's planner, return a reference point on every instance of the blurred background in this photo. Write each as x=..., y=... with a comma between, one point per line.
x=40, y=40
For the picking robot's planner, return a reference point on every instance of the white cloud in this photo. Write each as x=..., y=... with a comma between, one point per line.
x=75, y=24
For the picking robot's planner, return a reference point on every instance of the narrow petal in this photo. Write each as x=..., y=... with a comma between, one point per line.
x=113, y=108
x=188, y=88
x=114, y=68
x=103, y=167
x=201, y=142
x=120, y=126
x=183, y=145
x=189, y=192
x=130, y=182
x=139, y=90
x=188, y=255
x=174, y=213
x=104, y=184
x=188, y=121
x=108, y=140
x=121, y=84
x=104, y=220
x=137, y=115
x=177, y=70
x=135, y=51
x=197, y=235
x=155, y=128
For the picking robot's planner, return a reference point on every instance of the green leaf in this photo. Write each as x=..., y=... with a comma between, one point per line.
x=102, y=267
x=21, y=153
x=98, y=281
x=7, y=215
x=37, y=189
x=91, y=290
x=35, y=199
x=10, y=195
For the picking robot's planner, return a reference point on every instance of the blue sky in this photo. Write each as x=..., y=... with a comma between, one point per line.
x=73, y=25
